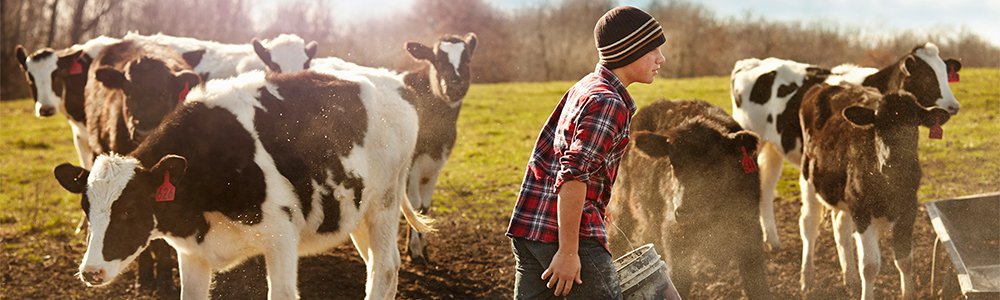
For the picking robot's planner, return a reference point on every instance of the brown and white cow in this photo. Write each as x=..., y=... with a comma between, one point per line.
x=437, y=91
x=276, y=164
x=766, y=95
x=57, y=79
x=688, y=184
x=860, y=160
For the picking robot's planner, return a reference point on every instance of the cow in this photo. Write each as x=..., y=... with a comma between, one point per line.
x=285, y=53
x=57, y=80
x=766, y=95
x=135, y=86
x=687, y=184
x=214, y=60
x=860, y=160
x=436, y=90
x=280, y=164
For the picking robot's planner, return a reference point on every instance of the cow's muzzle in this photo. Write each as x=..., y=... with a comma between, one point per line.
x=94, y=276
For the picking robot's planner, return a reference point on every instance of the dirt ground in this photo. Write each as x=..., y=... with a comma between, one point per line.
x=471, y=260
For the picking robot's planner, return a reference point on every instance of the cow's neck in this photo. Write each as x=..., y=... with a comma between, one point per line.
x=887, y=80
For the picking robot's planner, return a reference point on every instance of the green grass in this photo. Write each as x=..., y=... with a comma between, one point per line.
x=498, y=126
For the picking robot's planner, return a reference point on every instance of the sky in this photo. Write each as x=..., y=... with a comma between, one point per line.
x=874, y=17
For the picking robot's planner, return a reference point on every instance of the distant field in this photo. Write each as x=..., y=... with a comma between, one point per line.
x=498, y=125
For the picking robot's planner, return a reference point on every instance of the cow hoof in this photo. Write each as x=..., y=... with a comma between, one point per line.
x=419, y=259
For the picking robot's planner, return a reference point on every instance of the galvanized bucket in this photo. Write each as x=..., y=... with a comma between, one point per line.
x=643, y=275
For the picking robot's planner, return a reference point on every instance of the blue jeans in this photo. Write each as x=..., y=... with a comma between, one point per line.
x=597, y=271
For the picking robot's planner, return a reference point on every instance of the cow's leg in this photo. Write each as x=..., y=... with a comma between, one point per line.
x=86, y=157
x=383, y=266
x=809, y=221
x=902, y=244
x=769, y=161
x=414, y=247
x=843, y=227
x=282, y=260
x=196, y=276
x=869, y=260
x=164, y=264
x=144, y=268
x=418, y=245
x=753, y=264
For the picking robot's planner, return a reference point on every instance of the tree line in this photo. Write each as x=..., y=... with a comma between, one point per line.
x=544, y=42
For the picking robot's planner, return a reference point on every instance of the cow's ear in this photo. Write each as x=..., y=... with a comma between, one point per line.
x=746, y=140
x=953, y=65
x=908, y=63
x=651, y=144
x=931, y=117
x=470, y=40
x=22, y=57
x=190, y=78
x=111, y=78
x=176, y=165
x=419, y=51
x=859, y=116
x=262, y=53
x=193, y=58
x=65, y=62
x=311, y=49
x=71, y=178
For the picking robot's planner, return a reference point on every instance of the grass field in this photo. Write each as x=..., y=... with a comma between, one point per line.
x=498, y=125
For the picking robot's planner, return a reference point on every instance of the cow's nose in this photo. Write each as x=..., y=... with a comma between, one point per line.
x=953, y=109
x=93, y=276
x=46, y=111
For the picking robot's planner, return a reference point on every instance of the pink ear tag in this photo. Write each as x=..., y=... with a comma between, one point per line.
x=75, y=68
x=936, y=132
x=184, y=93
x=749, y=166
x=952, y=75
x=165, y=193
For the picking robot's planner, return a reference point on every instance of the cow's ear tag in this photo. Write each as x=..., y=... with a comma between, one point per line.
x=952, y=74
x=936, y=132
x=165, y=193
x=749, y=165
x=184, y=93
x=76, y=67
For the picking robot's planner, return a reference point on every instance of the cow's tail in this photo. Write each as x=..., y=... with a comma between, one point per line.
x=418, y=221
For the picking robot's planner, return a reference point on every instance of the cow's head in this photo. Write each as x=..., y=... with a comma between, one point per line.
x=47, y=73
x=120, y=200
x=152, y=90
x=926, y=76
x=449, y=73
x=285, y=53
x=705, y=157
x=896, y=110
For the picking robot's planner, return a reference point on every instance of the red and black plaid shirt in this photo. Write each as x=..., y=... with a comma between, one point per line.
x=583, y=140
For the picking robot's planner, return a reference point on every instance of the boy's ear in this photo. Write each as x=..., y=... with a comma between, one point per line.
x=419, y=51
x=71, y=178
x=651, y=144
x=859, y=116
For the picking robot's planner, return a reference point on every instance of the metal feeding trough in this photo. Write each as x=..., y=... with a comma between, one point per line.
x=969, y=228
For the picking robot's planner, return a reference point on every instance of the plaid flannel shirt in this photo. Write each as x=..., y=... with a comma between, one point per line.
x=584, y=140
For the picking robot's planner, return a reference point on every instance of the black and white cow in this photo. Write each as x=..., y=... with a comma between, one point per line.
x=285, y=53
x=766, y=95
x=860, y=160
x=57, y=80
x=436, y=91
x=213, y=60
x=279, y=165
x=688, y=184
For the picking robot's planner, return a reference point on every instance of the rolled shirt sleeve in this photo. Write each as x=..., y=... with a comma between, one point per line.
x=597, y=129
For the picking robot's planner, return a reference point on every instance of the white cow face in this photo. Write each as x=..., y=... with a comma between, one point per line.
x=119, y=197
x=286, y=53
x=450, y=73
x=46, y=73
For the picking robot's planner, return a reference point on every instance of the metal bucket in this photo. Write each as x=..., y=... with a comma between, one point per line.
x=643, y=275
x=970, y=230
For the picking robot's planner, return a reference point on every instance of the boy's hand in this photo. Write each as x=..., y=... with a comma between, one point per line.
x=564, y=270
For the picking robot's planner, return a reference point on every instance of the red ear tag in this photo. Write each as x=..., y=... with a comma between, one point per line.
x=184, y=93
x=936, y=132
x=952, y=75
x=165, y=193
x=749, y=165
x=75, y=68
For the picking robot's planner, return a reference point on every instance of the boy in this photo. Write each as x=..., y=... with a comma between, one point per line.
x=557, y=228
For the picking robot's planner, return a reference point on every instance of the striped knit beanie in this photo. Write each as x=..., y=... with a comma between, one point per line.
x=624, y=34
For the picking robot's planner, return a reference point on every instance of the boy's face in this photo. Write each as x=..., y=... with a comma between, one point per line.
x=644, y=69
